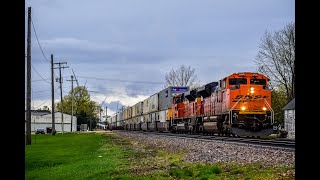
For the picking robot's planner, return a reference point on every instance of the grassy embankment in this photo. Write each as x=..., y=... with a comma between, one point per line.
x=108, y=156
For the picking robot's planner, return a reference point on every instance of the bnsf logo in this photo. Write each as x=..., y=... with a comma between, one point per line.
x=248, y=97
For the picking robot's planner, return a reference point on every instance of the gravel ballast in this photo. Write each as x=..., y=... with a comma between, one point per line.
x=216, y=151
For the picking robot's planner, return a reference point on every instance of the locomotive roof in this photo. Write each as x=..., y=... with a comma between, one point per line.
x=247, y=74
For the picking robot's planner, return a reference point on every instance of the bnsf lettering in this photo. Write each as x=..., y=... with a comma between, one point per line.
x=257, y=97
x=248, y=97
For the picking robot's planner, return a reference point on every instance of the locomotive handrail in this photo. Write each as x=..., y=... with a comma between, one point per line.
x=272, y=112
x=230, y=112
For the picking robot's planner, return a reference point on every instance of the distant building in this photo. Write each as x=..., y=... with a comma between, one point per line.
x=42, y=119
x=38, y=112
x=101, y=125
x=289, y=119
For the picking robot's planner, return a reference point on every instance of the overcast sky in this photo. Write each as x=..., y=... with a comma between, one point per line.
x=121, y=49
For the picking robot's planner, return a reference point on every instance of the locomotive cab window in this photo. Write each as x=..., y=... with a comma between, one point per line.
x=237, y=81
x=222, y=84
x=258, y=81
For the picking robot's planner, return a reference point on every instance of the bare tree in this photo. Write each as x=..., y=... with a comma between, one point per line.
x=276, y=59
x=183, y=76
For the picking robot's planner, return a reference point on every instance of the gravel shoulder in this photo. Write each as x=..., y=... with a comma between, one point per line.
x=213, y=152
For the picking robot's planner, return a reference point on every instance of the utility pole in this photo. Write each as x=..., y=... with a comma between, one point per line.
x=75, y=78
x=106, y=112
x=101, y=107
x=28, y=137
x=72, y=100
x=100, y=113
x=60, y=81
x=52, y=96
x=117, y=113
x=90, y=124
x=106, y=122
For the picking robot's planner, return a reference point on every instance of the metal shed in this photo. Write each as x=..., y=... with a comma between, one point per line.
x=44, y=121
x=289, y=119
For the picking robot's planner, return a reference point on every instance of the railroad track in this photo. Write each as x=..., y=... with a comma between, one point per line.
x=288, y=144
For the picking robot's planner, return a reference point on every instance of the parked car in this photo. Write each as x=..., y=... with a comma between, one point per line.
x=40, y=131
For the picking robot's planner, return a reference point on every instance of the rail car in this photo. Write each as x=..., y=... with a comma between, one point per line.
x=239, y=104
x=151, y=114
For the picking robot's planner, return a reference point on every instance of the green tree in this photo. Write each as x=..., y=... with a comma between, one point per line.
x=183, y=76
x=279, y=100
x=83, y=107
x=276, y=59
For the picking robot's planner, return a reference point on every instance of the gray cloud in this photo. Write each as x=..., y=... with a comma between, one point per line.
x=142, y=40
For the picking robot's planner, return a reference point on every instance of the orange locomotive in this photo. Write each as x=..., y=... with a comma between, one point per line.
x=239, y=104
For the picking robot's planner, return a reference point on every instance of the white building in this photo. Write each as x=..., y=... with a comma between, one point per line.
x=44, y=121
x=289, y=119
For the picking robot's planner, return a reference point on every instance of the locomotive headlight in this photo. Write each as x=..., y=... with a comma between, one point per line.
x=243, y=108
x=264, y=108
x=252, y=90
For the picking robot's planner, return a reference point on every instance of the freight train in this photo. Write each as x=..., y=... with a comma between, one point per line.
x=237, y=105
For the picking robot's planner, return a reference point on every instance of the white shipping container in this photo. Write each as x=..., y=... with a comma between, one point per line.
x=134, y=114
x=113, y=119
x=139, y=108
x=146, y=106
x=121, y=115
x=146, y=118
x=129, y=112
x=141, y=118
x=163, y=115
x=118, y=117
x=125, y=113
x=153, y=103
x=109, y=119
x=133, y=120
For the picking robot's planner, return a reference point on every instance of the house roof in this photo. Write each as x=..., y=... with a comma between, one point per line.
x=290, y=105
x=39, y=112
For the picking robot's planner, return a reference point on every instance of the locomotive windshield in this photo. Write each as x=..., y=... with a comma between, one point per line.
x=237, y=81
x=258, y=81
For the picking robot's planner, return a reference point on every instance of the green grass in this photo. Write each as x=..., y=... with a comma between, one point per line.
x=76, y=156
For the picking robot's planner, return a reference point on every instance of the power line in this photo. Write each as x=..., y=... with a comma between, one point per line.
x=34, y=29
x=43, y=103
x=46, y=79
x=39, y=74
x=37, y=96
x=120, y=80
x=41, y=91
x=57, y=92
x=75, y=78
